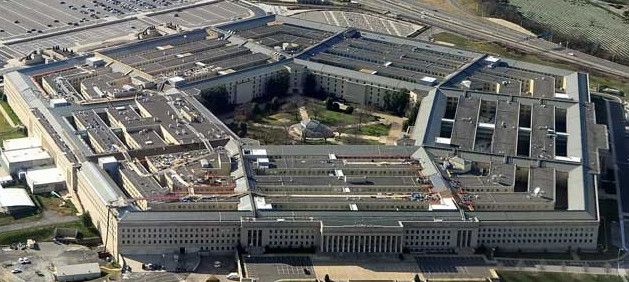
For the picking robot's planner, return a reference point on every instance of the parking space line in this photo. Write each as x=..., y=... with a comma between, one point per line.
x=19, y=16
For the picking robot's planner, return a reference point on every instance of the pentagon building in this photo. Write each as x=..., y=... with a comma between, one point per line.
x=504, y=153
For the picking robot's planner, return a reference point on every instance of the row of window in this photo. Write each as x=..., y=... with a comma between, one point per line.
x=536, y=235
x=312, y=171
x=283, y=243
x=546, y=229
x=197, y=241
x=427, y=237
x=433, y=243
x=428, y=231
x=291, y=231
x=292, y=237
x=197, y=235
x=534, y=241
x=222, y=229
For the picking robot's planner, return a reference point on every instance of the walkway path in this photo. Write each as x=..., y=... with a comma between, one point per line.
x=396, y=125
x=601, y=267
x=49, y=218
x=303, y=113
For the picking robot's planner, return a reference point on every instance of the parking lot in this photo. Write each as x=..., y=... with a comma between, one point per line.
x=30, y=17
x=272, y=268
x=81, y=36
x=362, y=21
x=205, y=15
x=42, y=260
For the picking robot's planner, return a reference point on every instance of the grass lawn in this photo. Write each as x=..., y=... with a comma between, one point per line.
x=281, y=118
x=497, y=49
x=45, y=233
x=357, y=141
x=521, y=276
x=333, y=118
x=10, y=112
x=525, y=255
x=8, y=219
x=268, y=136
x=53, y=204
x=6, y=131
x=375, y=129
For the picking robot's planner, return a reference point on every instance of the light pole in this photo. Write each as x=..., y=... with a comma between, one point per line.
x=618, y=261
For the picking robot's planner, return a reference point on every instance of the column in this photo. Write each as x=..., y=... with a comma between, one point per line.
x=328, y=248
x=354, y=242
x=385, y=244
x=379, y=243
x=363, y=244
x=344, y=243
x=350, y=242
x=395, y=244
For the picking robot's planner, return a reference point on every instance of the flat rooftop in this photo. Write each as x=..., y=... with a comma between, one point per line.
x=25, y=155
x=414, y=62
x=20, y=143
x=45, y=175
x=98, y=131
x=275, y=34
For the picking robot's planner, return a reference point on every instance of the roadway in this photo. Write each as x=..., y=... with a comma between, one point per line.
x=481, y=28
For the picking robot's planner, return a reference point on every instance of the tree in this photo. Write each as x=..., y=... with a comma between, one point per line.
x=411, y=114
x=329, y=104
x=625, y=16
x=216, y=99
x=278, y=86
x=275, y=103
x=416, y=279
x=327, y=278
x=396, y=102
x=310, y=86
x=86, y=219
x=255, y=108
x=242, y=129
x=349, y=110
x=242, y=113
x=336, y=107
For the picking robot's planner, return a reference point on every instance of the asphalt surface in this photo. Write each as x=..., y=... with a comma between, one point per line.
x=481, y=28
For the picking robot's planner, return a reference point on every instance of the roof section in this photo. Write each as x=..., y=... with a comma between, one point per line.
x=78, y=269
x=15, y=197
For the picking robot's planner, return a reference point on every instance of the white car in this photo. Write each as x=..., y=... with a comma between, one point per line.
x=16, y=271
x=233, y=276
x=24, y=260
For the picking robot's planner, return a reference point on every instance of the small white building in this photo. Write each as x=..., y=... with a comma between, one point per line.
x=22, y=159
x=15, y=201
x=21, y=143
x=78, y=272
x=45, y=179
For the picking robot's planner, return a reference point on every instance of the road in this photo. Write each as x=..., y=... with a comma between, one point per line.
x=481, y=28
